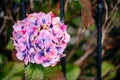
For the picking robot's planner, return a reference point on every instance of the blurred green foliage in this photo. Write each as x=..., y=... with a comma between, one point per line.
x=73, y=72
x=12, y=71
x=106, y=68
x=34, y=72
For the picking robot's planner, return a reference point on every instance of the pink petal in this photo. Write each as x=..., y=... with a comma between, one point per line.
x=38, y=59
x=66, y=37
x=63, y=27
x=46, y=64
x=20, y=56
x=26, y=61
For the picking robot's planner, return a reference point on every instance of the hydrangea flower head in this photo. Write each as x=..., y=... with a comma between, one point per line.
x=40, y=38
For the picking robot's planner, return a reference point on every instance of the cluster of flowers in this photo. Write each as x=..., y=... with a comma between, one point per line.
x=40, y=38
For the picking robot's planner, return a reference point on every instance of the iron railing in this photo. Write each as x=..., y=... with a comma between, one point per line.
x=63, y=60
x=99, y=34
x=99, y=38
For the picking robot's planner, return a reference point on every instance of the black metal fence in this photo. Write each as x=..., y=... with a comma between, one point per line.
x=99, y=34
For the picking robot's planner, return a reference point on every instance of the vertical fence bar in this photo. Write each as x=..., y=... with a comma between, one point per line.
x=63, y=60
x=23, y=12
x=23, y=8
x=62, y=10
x=99, y=37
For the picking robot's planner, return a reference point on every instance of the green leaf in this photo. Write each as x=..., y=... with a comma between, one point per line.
x=10, y=45
x=12, y=71
x=106, y=67
x=34, y=72
x=53, y=73
x=3, y=58
x=73, y=72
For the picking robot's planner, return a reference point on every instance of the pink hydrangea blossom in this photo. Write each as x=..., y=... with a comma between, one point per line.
x=40, y=38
